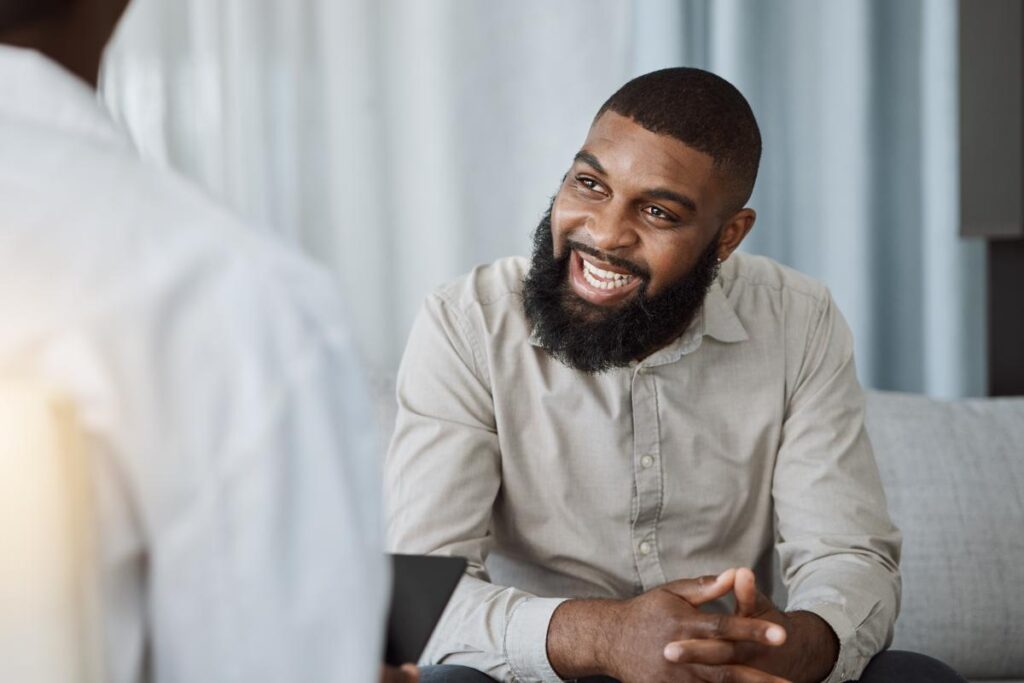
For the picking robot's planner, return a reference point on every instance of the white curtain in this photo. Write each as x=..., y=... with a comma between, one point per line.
x=402, y=142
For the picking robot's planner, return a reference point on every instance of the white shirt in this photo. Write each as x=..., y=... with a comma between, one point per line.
x=742, y=438
x=223, y=409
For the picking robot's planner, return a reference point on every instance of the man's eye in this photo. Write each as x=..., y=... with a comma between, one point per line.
x=588, y=183
x=658, y=212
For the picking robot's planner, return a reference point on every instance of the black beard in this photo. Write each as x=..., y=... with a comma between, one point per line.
x=594, y=339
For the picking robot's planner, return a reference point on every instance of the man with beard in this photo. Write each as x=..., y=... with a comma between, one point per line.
x=616, y=436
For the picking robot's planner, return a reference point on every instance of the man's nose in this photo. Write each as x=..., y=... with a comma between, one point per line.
x=611, y=230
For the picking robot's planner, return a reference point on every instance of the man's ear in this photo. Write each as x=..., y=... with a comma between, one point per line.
x=734, y=231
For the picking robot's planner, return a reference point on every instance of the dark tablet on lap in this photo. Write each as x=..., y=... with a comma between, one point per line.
x=421, y=587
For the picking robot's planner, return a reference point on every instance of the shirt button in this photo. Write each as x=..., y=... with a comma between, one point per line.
x=647, y=461
x=645, y=548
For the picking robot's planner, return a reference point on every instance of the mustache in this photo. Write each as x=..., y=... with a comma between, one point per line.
x=608, y=258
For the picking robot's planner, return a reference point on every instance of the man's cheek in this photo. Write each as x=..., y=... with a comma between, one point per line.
x=559, y=245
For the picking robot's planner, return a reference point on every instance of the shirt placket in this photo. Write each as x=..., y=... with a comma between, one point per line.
x=647, y=478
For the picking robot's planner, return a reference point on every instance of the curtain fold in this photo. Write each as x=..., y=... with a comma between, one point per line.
x=401, y=142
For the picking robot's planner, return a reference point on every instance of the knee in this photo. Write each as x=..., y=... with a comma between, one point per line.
x=897, y=666
x=448, y=673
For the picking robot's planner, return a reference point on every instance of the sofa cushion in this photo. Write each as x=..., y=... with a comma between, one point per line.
x=954, y=477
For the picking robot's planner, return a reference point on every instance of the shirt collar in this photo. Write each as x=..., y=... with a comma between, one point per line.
x=40, y=91
x=720, y=319
x=716, y=319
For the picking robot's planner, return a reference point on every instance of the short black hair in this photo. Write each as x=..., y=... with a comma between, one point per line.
x=15, y=14
x=701, y=110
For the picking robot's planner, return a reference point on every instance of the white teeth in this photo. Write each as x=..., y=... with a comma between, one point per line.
x=610, y=280
x=606, y=274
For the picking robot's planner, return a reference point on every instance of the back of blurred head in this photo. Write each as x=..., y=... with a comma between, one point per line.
x=71, y=32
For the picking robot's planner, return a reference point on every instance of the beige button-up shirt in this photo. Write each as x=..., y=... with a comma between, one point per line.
x=742, y=436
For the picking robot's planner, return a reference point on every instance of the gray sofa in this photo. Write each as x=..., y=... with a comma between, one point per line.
x=954, y=477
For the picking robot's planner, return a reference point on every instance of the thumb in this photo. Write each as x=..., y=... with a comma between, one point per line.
x=703, y=589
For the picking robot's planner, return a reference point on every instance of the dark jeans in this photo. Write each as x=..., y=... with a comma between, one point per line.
x=891, y=666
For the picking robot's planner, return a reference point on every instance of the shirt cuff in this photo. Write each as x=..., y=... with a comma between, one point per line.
x=850, y=663
x=526, y=640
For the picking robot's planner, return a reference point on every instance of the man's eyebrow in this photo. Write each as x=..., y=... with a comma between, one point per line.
x=672, y=196
x=590, y=160
x=656, y=193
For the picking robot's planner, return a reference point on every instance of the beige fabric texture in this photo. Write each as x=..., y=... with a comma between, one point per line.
x=559, y=484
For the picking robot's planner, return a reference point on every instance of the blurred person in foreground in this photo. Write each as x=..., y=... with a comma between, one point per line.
x=213, y=376
x=618, y=432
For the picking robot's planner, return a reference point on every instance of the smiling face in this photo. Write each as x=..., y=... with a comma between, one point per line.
x=639, y=208
x=632, y=241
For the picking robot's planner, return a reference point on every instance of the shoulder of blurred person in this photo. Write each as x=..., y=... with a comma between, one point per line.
x=213, y=374
x=94, y=236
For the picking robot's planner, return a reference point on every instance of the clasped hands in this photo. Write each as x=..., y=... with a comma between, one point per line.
x=717, y=647
x=661, y=636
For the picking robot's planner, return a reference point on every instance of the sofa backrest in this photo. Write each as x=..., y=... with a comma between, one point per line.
x=954, y=478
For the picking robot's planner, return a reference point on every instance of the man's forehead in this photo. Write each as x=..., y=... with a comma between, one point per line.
x=622, y=146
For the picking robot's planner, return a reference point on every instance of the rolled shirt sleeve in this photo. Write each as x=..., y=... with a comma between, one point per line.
x=838, y=548
x=526, y=639
x=442, y=475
